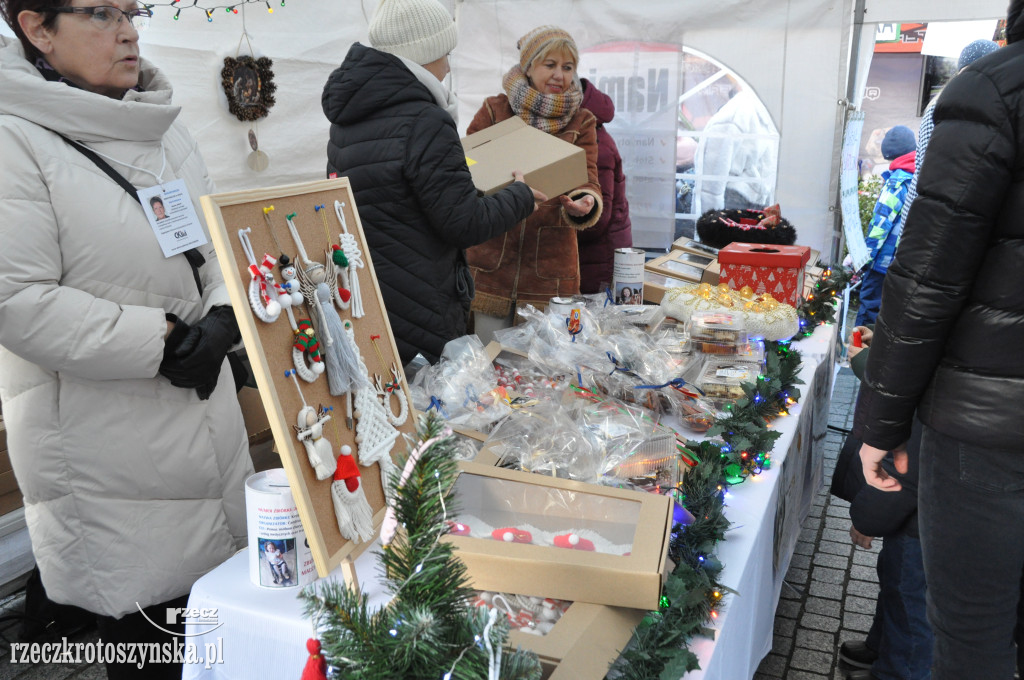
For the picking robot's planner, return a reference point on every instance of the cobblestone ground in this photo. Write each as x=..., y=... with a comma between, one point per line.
x=832, y=586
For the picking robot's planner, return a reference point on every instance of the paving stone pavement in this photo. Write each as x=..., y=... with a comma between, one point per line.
x=831, y=587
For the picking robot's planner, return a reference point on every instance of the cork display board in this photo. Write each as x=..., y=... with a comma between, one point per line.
x=270, y=345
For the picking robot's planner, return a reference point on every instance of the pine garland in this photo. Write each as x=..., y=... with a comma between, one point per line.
x=429, y=630
x=692, y=595
x=819, y=307
x=692, y=591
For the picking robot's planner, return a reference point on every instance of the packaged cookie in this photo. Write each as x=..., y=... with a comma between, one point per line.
x=716, y=332
x=724, y=379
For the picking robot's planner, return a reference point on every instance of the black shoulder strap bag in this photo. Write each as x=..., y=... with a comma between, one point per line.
x=194, y=257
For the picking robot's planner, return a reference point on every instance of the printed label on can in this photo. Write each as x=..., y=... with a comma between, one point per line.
x=279, y=554
x=628, y=276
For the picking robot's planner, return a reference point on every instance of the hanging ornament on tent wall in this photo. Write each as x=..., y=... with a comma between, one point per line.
x=257, y=160
x=249, y=86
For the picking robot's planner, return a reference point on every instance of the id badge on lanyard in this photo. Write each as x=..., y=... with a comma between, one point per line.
x=172, y=216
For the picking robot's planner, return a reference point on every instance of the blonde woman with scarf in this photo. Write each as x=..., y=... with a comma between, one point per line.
x=539, y=258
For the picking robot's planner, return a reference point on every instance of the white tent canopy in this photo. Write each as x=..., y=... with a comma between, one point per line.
x=794, y=54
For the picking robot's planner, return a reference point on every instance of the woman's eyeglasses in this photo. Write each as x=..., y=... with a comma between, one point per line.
x=107, y=18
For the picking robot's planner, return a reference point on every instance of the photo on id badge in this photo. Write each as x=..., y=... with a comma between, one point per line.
x=156, y=205
x=172, y=216
x=277, y=562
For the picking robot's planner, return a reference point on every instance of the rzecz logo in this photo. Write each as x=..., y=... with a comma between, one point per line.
x=202, y=621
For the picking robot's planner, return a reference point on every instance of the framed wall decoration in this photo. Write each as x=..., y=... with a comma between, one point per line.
x=249, y=86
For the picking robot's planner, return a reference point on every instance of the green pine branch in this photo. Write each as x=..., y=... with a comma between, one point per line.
x=429, y=629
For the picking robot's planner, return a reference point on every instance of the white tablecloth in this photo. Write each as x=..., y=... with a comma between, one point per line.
x=261, y=628
x=264, y=628
x=766, y=513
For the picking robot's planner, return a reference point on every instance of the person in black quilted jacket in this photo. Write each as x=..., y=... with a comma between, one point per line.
x=393, y=134
x=948, y=343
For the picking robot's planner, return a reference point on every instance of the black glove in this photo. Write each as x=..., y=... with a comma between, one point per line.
x=193, y=355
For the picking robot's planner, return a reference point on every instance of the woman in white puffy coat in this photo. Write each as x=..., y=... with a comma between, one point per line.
x=133, y=481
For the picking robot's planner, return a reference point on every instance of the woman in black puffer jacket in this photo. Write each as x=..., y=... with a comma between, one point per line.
x=949, y=342
x=393, y=135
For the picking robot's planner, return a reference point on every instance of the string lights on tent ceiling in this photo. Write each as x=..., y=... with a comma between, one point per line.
x=232, y=8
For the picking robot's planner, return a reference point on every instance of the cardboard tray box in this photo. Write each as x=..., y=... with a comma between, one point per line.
x=694, y=246
x=584, y=642
x=681, y=264
x=549, y=164
x=635, y=528
x=657, y=284
x=10, y=502
x=257, y=424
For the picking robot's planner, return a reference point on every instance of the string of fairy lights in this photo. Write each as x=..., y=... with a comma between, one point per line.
x=179, y=5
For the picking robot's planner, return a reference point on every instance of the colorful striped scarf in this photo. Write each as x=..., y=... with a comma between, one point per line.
x=547, y=112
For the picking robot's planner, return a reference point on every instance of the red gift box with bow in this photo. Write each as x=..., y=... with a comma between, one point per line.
x=772, y=269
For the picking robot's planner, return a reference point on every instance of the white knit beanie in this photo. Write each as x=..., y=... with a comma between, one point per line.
x=420, y=30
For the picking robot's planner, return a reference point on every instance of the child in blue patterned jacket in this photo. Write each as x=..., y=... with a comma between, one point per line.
x=900, y=147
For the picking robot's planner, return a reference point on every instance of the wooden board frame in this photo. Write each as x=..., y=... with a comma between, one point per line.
x=269, y=345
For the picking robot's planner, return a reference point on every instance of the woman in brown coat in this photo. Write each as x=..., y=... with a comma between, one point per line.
x=538, y=259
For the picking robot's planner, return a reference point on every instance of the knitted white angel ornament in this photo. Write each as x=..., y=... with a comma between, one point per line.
x=352, y=510
x=309, y=429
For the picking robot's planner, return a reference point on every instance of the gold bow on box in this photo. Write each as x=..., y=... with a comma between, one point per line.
x=763, y=315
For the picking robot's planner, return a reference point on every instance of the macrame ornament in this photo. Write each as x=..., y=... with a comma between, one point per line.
x=311, y=273
x=316, y=664
x=350, y=247
x=263, y=292
x=385, y=390
x=309, y=429
x=342, y=355
x=343, y=296
x=289, y=282
x=374, y=434
x=353, y=511
x=338, y=353
x=306, y=348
